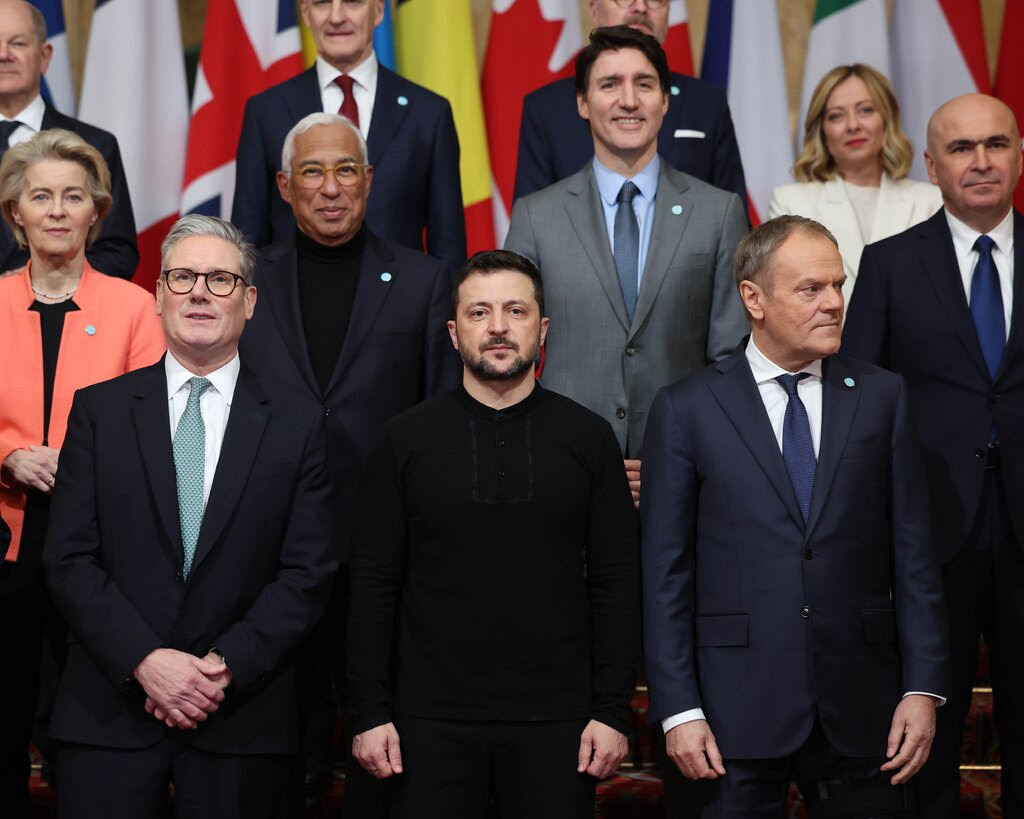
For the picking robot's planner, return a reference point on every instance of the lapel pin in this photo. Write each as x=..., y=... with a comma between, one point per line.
x=849, y=382
x=90, y=330
x=677, y=209
x=675, y=90
x=385, y=277
x=403, y=100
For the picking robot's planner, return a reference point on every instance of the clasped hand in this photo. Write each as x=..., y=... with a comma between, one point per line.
x=182, y=690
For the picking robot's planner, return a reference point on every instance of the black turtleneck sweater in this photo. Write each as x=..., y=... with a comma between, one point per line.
x=327, y=291
x=499, y=548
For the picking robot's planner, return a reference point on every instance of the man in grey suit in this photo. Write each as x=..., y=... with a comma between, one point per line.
x=639, y=294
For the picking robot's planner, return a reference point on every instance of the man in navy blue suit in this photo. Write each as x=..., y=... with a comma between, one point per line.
x=792, y=603
x=410, y=132
x=696, y=137
x=190, y=553
x=940, y=304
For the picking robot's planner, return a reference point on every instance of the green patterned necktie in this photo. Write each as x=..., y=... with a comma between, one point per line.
x=190, y=465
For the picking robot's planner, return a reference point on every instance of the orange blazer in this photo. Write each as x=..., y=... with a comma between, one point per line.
x=115, y=330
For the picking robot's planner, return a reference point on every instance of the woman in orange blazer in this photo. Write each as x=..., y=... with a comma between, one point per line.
x=63, y=326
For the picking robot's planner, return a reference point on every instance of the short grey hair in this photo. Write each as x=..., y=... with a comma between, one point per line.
x=755, y=254
x=311, y=121
x=197, y=224
x=38, y=23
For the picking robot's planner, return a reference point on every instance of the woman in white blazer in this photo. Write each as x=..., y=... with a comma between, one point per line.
x=852, y=170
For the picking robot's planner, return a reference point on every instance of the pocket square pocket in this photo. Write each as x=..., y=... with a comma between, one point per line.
x=689, y=133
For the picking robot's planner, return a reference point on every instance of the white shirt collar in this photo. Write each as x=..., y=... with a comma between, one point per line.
x=365, y=74
x=765, y=370
x=609, y=183
x=31, y=115
x=965, y=236
x=223, y=379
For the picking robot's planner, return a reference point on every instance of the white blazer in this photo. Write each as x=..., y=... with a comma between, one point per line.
x=901, y=204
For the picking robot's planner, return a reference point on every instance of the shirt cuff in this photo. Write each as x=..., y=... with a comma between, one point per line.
x=939, y=701
x=692, y=715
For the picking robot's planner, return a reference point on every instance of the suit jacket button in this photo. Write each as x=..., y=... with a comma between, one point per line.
x=177, y=575
x=805, y=611
x=620, y=413
x=808, y=554
x=327, y=411
x=979, y=454
x=631, y=351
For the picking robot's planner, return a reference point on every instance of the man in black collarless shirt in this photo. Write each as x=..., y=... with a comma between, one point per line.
x=351, y=324
x=495, y=556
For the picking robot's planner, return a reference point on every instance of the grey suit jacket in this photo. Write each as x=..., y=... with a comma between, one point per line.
x=688, y=312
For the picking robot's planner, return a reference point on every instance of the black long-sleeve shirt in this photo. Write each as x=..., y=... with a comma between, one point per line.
x=499, y=548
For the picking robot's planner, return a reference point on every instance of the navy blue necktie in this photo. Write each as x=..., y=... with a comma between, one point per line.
x=987, y=305
x=797, y=445
x=7, y=128
x=626, y=233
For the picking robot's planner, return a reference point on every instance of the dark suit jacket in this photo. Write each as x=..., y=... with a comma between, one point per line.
x=729, y=565
x=396, y=352
x=909, y=314
x=114, y=252
x=263, y=567
x=413, y=148
x=555, y=142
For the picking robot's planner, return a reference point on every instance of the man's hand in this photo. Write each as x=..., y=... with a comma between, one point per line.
x=602, y=750
x=183, y=688
x=33, y=468
x=692, y=747
x=222, y=679
x=633, y=476
x=912, y=732
x=378, y=751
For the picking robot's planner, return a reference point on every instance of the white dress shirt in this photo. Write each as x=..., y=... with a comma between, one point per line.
x=31, y=119
x=364, y=88
x=609, y=184
x=775, y=399
x=964, y=238
x=214, y=406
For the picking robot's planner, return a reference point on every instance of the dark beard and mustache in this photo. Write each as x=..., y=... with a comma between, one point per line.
x=486, y=371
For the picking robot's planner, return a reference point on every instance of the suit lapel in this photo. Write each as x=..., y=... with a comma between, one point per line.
x=583, y=207
x=377, y=278
x=893, y=209
x=739, y=398
x=279, y=280
x=666, y=235
x=836, y=210
x=939, y=266
x=1016, y=338
x=388, y=113
x=151, y=416
x=305, y=97
x=246, y=422
x=838, y=404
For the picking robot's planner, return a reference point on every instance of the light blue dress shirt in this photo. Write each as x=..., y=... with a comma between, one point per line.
x=609, y=184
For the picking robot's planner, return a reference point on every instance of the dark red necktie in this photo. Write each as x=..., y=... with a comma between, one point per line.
x=348, y=105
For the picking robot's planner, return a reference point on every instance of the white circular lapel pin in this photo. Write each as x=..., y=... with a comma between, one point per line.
x=403, y=100
x=849, y=382
x=677, y=209
x=385, y=276
x=90, y=330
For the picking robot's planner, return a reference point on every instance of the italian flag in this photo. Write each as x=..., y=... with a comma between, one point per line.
x=843, y=32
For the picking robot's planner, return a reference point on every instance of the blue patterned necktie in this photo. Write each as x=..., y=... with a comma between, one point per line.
x=627, y=245
x=190, y=465
x=987, y=305
x=797, y=445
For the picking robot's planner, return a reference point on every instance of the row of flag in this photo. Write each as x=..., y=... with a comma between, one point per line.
x=180, y=158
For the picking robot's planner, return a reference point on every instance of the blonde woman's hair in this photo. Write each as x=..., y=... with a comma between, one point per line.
x=815, y=163
x=60, y=145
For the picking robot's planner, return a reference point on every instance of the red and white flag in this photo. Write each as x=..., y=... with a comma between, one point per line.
x=1009, y=85
x=677, y=40
x=134, y=86
x=531, y=43
x=743, y=55
x=938, y=52
x=248, y=46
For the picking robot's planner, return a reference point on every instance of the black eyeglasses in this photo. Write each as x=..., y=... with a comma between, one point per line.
x=181, y=280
